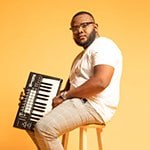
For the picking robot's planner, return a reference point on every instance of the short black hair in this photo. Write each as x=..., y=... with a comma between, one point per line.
x=82, y=12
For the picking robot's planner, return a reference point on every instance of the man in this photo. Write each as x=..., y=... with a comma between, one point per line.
x=91, y=94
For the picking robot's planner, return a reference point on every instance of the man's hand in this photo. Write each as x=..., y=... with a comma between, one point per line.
x=56, y=101
x=21, y=97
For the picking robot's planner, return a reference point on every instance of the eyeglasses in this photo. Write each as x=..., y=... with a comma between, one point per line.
x=83, y=25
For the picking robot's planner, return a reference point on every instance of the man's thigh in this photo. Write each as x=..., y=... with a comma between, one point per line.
x=68, y=116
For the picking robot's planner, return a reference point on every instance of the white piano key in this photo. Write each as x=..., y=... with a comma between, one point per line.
x=43, y=92
x=39, y=105
x=41, y=101
x=38, y=112
x=34, y=120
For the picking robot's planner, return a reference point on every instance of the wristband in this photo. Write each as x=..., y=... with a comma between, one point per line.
x=63, y=95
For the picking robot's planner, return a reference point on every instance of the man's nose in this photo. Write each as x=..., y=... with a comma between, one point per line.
x=80, y=29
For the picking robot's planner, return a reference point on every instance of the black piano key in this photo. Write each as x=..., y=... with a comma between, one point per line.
x=45, y=90
x=38, y=115
x=42, y=95
x=47, y=83
x=46, y=87
x=45, y=99
x=38, y=106
x=37, y=112
x=36, y=109
x=34, y=118
x=40, y=103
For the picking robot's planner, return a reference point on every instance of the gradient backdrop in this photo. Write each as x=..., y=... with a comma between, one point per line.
x=35, y=36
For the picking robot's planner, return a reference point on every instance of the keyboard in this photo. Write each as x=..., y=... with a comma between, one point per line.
x=39, y=91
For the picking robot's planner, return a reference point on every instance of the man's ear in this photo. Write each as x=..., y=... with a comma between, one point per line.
x=96, y=27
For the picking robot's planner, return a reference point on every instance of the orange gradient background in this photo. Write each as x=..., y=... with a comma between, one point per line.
x=35, y=36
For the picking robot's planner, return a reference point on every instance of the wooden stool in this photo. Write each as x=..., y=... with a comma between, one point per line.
x=83, y=136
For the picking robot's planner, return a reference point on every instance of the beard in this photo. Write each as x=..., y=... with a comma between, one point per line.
x=89, y=40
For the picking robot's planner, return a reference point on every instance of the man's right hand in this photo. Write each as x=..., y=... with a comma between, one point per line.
x=21, y=97
x=56, y=101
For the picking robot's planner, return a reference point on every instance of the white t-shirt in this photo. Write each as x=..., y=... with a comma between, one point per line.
x=101, y=51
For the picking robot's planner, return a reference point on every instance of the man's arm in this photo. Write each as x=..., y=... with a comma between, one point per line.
x=58, y=100
x=67, y=86
x=96, y=84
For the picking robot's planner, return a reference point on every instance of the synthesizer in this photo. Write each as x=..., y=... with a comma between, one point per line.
x=37, y=102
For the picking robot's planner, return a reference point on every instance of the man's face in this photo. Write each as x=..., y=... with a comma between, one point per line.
x=84, y=30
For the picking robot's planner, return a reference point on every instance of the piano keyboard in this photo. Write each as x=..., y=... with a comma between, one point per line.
x=39, y=92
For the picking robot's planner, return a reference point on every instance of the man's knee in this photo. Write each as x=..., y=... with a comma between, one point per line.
x=39, y=127
x=45, y=129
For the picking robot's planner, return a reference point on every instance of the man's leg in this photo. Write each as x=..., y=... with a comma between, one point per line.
x=65, y=117
x=32, y=136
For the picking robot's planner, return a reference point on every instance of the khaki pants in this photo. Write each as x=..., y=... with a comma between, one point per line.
x=65, y=117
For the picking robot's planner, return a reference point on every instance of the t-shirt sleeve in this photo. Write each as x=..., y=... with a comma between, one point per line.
x=106, y=55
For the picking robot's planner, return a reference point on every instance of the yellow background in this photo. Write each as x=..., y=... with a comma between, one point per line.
x=34, y=36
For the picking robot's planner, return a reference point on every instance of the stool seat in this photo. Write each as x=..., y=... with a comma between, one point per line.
x=83, y=136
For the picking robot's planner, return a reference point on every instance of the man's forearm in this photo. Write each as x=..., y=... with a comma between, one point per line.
x=88, y=89
x=67, y=86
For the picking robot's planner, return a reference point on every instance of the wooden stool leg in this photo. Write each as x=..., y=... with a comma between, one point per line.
x=98, y=130
x=83, y=144
x=65, y=140
x=83, y=139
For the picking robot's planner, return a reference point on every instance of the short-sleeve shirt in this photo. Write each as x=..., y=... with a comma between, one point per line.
x=102, y=51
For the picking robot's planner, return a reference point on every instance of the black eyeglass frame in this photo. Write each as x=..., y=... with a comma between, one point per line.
x=83, y=25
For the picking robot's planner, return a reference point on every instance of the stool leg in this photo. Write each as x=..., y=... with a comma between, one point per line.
x=99, y=138
x=65, y=140
x=83, y=139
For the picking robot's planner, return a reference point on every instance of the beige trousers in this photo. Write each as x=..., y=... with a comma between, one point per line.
x=65, y=117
